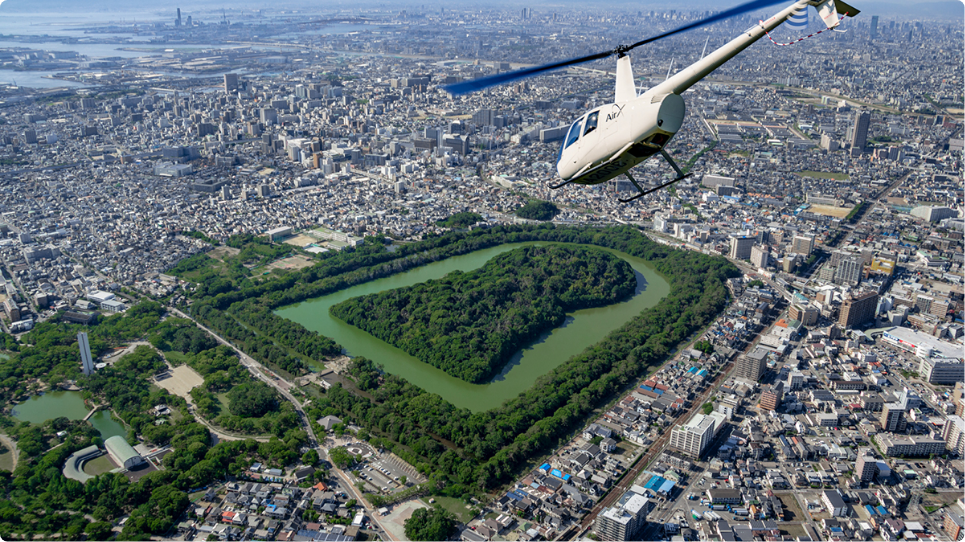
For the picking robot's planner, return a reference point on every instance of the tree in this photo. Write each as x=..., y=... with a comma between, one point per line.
x=252, y=400
x=310, y=457
x=430, y=524
x=99, y=530
x=341, y=457
x=707, y=408
x=538, y=210
x=403, y=479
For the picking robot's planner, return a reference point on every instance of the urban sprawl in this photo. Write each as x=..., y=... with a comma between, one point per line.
x=824, y=403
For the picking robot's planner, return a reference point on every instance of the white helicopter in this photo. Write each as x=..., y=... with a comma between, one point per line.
x=611, y=139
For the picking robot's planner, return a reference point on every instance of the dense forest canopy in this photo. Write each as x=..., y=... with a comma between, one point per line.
x=470, y=324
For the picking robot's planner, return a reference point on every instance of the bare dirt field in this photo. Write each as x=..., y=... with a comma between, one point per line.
x=180, y=381
x=294, y=262
x=220, y=253
x=395, y=521
x=300, y=240
x=827, y=210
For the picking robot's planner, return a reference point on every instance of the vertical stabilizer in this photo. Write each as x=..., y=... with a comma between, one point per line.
x=625, y=90
x=829, y=14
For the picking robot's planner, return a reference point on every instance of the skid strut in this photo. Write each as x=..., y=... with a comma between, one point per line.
x=680, y=177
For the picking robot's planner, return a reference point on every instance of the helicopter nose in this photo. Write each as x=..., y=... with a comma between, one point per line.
x=566, y=169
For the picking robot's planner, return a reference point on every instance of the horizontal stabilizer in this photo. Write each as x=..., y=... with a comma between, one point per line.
x=845, y=9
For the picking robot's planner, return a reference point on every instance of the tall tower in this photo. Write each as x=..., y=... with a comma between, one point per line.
x=874, y=27
x=859, y=136
x=85, y=357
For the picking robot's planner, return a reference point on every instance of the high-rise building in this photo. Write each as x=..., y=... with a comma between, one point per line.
x=751, y=366
x=772, y=396
x=230, y=82
x=859, y=135
x=866, y=467
x=483, y=117
x=954, y=435
x=849, y=270
x=958, y=399
x=874, y=27
x=795, y=380
x=858, y=309
x=802, y=244
x=953, y=524
x=623, y=521
x=87, y=362
x=807, y=315
x=740, y=246
x=694, y=437
x=893, y=415
x=760, y=256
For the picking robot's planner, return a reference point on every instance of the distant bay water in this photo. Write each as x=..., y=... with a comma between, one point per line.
x=51, y=26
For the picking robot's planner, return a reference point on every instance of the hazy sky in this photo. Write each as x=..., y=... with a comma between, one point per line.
x=913, y=9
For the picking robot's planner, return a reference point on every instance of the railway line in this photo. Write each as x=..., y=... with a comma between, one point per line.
x=652, y=453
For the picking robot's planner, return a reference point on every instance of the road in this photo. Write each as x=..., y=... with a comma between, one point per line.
x=260, y=371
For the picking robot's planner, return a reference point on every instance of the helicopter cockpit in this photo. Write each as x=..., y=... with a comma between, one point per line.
x=577, y=128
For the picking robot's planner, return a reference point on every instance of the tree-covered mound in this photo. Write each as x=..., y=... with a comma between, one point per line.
x=470, y=324
x=538, y=210
x=460, y=220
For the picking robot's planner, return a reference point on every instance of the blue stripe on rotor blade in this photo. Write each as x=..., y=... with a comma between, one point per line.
x=474, y=85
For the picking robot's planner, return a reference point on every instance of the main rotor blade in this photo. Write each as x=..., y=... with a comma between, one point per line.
x=492, y=80
x=726, y=14
x=474, y=85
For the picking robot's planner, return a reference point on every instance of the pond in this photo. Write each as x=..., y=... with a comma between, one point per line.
x=69, y=404
x=581, y=329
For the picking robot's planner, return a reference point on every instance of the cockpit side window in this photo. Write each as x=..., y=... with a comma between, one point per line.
x=574, y=133
x=591, y=122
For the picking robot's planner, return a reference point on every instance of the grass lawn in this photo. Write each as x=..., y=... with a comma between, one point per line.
x=99, y=465
x=175, y=358
x=223, y=399
x=824, y=175
x=6, y=460
x=456, y=506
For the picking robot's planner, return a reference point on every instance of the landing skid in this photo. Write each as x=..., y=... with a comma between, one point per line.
x=562, y=184
x=680, y=177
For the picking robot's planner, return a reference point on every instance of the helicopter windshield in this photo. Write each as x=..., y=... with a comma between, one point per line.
x=571, y=138
x=574, y=133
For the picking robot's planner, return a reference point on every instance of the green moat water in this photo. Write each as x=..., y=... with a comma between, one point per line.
x=69, y=404
x=581, y=329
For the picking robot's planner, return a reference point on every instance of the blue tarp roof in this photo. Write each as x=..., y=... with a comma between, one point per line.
x=557, y=473
x=882, y=510
x=871, y=510
x=702, y=372
x=545, y=466
x=692, y=370
x=654, y=482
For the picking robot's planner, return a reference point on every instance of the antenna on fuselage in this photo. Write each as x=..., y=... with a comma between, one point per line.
x=705, y=47
x=670, y=69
